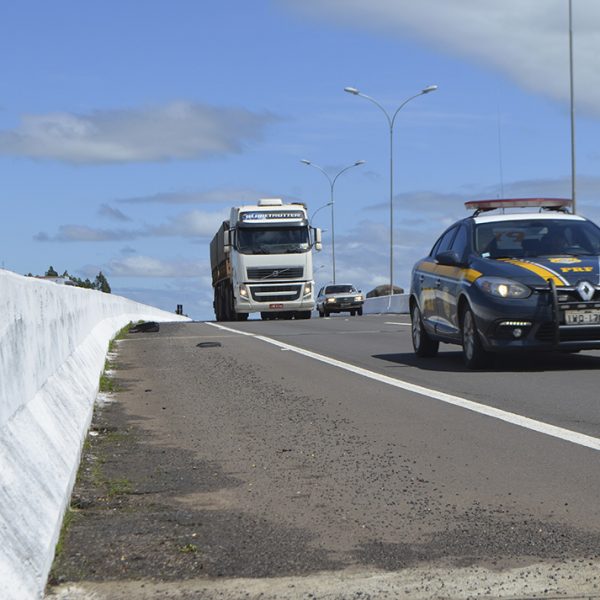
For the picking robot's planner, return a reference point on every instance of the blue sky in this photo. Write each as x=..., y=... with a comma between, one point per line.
x=128, y=129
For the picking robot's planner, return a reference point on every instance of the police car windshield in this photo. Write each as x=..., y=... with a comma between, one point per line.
x=272, y=240
x=536, y=237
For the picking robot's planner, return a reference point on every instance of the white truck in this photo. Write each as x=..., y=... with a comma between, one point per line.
x=261, y=261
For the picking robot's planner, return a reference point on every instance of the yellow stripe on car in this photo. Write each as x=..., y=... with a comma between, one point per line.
x=543, y=272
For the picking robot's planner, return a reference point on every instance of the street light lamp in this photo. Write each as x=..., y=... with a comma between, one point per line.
x=391, y=120
x=331, y=201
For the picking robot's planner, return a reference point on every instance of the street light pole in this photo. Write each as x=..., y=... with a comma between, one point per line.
x=391, y=120
x=571, y=86
x=332, y=202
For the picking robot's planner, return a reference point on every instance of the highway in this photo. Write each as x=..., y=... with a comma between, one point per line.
x=321, y=456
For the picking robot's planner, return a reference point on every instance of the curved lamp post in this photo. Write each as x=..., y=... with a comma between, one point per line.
x=310, y=220
x=331, y=201
x=391, y=120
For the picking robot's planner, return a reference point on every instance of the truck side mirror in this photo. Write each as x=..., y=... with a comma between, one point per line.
x=318, y=242
x=227, y=241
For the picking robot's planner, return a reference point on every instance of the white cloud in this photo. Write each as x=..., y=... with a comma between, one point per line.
x=112, y=213
x=525, y=39
x=229, y=196
x=179, y=130
x=147, y=266
x=193, y=223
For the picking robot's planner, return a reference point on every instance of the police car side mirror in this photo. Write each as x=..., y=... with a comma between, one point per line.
x=448, y=258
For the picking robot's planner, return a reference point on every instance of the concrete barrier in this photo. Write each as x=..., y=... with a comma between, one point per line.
x=398, y=303
x=53, y=344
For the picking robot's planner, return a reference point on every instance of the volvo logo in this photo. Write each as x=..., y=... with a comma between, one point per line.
x=586, y=290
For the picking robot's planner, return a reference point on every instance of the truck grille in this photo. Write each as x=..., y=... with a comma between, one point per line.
x=275, y=293
x=275, y=272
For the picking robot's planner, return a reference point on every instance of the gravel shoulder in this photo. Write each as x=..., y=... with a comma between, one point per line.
x=206, y=475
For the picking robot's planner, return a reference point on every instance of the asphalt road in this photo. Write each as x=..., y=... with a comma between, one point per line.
x=297, y=459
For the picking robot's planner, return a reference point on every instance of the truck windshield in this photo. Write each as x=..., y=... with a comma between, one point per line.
x=271, y=240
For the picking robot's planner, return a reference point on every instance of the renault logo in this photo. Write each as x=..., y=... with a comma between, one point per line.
x=586, y=290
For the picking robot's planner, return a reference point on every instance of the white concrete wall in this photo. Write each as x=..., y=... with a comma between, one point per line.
x=398, y=303
x=53, y=344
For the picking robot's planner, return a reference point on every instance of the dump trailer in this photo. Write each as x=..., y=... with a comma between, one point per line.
x=262, y=262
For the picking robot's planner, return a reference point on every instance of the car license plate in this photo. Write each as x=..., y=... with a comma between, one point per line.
x=275, y=305
x=582, y=317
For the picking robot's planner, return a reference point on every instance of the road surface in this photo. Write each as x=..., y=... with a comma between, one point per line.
x=281, y=459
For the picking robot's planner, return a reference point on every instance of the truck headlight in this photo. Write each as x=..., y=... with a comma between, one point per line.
x=244, y=292
x=330, y=300
x=503, y=288
x=359, y=298
x=307, y=289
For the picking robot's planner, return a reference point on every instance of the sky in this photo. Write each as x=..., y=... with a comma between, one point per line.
x=128, y=129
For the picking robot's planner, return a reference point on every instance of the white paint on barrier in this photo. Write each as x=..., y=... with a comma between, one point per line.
x=53, y=343
x=482, y=409
x=396, y=304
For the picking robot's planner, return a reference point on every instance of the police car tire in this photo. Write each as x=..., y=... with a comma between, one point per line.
x=423, y=345
x=474, y=355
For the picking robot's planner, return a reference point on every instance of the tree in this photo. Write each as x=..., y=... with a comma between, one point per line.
x=101, y=283
x=51, y=272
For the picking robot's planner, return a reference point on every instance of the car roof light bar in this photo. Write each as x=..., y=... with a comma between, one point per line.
x=558, y=204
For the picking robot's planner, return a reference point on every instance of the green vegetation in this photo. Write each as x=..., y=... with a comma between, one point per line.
x=100, y=283
x=70, y=516
x=188, y=549
x=118, y=487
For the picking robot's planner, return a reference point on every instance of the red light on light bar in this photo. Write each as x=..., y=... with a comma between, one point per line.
x=556, y=203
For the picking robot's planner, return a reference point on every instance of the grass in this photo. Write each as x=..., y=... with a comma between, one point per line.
x=119, y=487
x=70, y=516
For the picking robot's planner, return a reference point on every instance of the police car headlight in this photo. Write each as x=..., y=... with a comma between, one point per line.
x=503, y=288
x=359, y=299
x=330, y=300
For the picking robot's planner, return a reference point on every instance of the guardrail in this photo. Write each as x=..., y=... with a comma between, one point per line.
x=398, y=303
x=53, y=344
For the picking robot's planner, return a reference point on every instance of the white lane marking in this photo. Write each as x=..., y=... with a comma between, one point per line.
x=394, y=323
x=519, y=420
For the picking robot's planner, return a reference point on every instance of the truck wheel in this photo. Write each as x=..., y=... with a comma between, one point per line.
x=242, y=316
x=265, y=316
x=303, y=314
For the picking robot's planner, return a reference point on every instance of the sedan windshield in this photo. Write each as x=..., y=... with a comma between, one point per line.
x=272, y=240
x=536, y=237
x=340, y=289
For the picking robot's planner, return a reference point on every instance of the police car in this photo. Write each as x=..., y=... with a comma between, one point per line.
x=500, y=281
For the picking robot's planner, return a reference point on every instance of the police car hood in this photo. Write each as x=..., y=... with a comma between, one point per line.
x=535, y=271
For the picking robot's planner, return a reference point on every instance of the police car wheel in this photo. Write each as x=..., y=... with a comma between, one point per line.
x=474, y=355
x=423, y=345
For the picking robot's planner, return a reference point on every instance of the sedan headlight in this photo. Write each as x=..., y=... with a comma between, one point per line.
x=330, y=300
x=503, y=288
x=358, y=298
